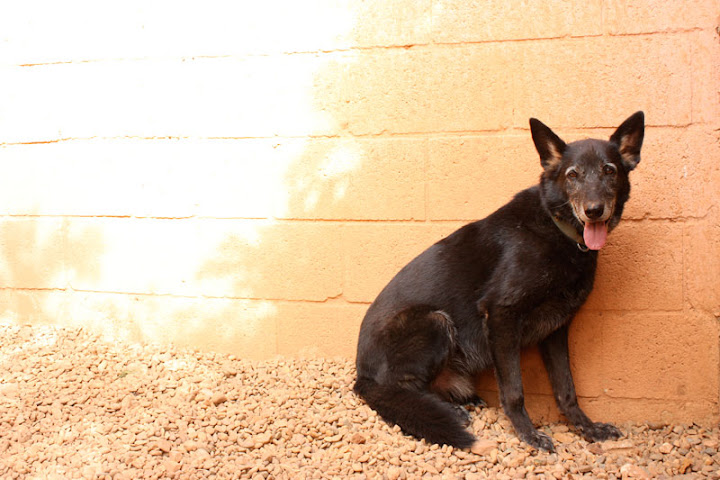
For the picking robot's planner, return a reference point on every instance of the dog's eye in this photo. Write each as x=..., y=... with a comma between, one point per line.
x=572, y=174
x=609, y=170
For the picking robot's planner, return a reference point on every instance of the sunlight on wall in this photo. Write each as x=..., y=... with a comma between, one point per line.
x=164, y=158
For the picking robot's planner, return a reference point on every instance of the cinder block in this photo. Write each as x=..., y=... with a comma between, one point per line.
x=676, y=176
x=223, y=258
x=141, y=30
x=534, y=374
x=315, y=329
x=611, y=73
x=470, y=177
x=380, y=23
x=161, y=178
x=640, y=268
x=365, y=179
x=374, y=253
x=420, y=89
x=705, y=70
x=267, y=260
x=621, y=410
x=646, y=16
x=661, y=356
x=245, y=328
x=32, y=253
x=701, y=262
x=220, y=178
x=587, y=353
x=34, y=307
x=127, y=255
x=258, y=96
x=456, y=21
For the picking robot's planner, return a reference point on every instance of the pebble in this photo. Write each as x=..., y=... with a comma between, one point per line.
x=484, y=447
x=665, y=448
x=564, y=437
x=150, y=411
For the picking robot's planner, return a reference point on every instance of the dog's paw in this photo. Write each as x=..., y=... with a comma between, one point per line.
x=598, y=432
x=538, y=440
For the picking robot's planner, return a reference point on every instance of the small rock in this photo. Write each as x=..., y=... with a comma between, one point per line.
x=190, y=445
x=163, y=445
x=298, y=439
x=483, y=447
x=202, y=454
x=710, y=443
x=393, y=473
x=595, y=448
x=564, y=437
x=633, y=471
x=493, y=457
x=618, y=446
x=263, y=439
x=248, y=443
x=686, y=464
x=334, y=438
x=171, y=466
x=219, y=398
x=665, y=448
x=358, y=438
x=9, y=390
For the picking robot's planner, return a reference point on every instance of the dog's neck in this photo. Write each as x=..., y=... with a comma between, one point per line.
x=569, y=231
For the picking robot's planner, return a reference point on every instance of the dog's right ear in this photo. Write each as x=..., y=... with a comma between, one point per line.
x=549, y=146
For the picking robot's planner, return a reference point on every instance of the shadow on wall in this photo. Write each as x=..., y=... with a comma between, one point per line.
x=287, y=267
x=269, y=278
x=41, y=258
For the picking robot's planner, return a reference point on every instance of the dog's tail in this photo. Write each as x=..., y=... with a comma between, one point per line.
x=418, y=413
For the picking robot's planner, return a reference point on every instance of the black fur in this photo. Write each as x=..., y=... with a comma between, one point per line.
x=473, y=300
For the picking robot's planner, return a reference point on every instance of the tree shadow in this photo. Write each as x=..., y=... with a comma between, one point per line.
x=292, y=261
x=41, y=257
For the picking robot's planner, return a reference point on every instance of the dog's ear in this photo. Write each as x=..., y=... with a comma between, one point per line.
x=549, y=146
x=629, y=138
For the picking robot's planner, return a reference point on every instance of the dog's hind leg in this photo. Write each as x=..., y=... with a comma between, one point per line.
x=395, y=376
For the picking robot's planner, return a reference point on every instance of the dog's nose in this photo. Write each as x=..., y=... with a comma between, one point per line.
x=594, y=211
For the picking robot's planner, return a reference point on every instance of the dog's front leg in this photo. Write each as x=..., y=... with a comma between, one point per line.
x=555, y=354
x=503, y=334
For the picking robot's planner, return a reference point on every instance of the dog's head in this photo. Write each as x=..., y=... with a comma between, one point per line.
x=585, y=183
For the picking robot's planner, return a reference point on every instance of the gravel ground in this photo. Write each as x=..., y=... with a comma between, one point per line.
x=75, y=406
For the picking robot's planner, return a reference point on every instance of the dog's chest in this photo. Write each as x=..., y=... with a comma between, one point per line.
x=558, y=307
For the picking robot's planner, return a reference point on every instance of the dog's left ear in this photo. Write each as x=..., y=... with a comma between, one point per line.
x=549, y=146
x=629, y=138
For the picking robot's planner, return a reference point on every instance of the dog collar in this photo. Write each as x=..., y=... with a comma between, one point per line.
x=570, y=232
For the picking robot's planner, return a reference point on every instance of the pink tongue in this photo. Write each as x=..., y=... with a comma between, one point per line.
x=595, y=235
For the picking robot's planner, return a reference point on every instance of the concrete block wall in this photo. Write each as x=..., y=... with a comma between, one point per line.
x=245, y=177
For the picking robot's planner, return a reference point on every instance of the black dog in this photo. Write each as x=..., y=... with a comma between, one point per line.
x=474, y=299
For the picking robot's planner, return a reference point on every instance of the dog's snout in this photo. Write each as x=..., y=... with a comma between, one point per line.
x=594, y=211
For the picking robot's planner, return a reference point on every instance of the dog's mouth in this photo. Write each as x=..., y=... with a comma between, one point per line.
x=595, y=234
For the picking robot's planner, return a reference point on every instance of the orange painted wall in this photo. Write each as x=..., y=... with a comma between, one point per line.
x=246, y=178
